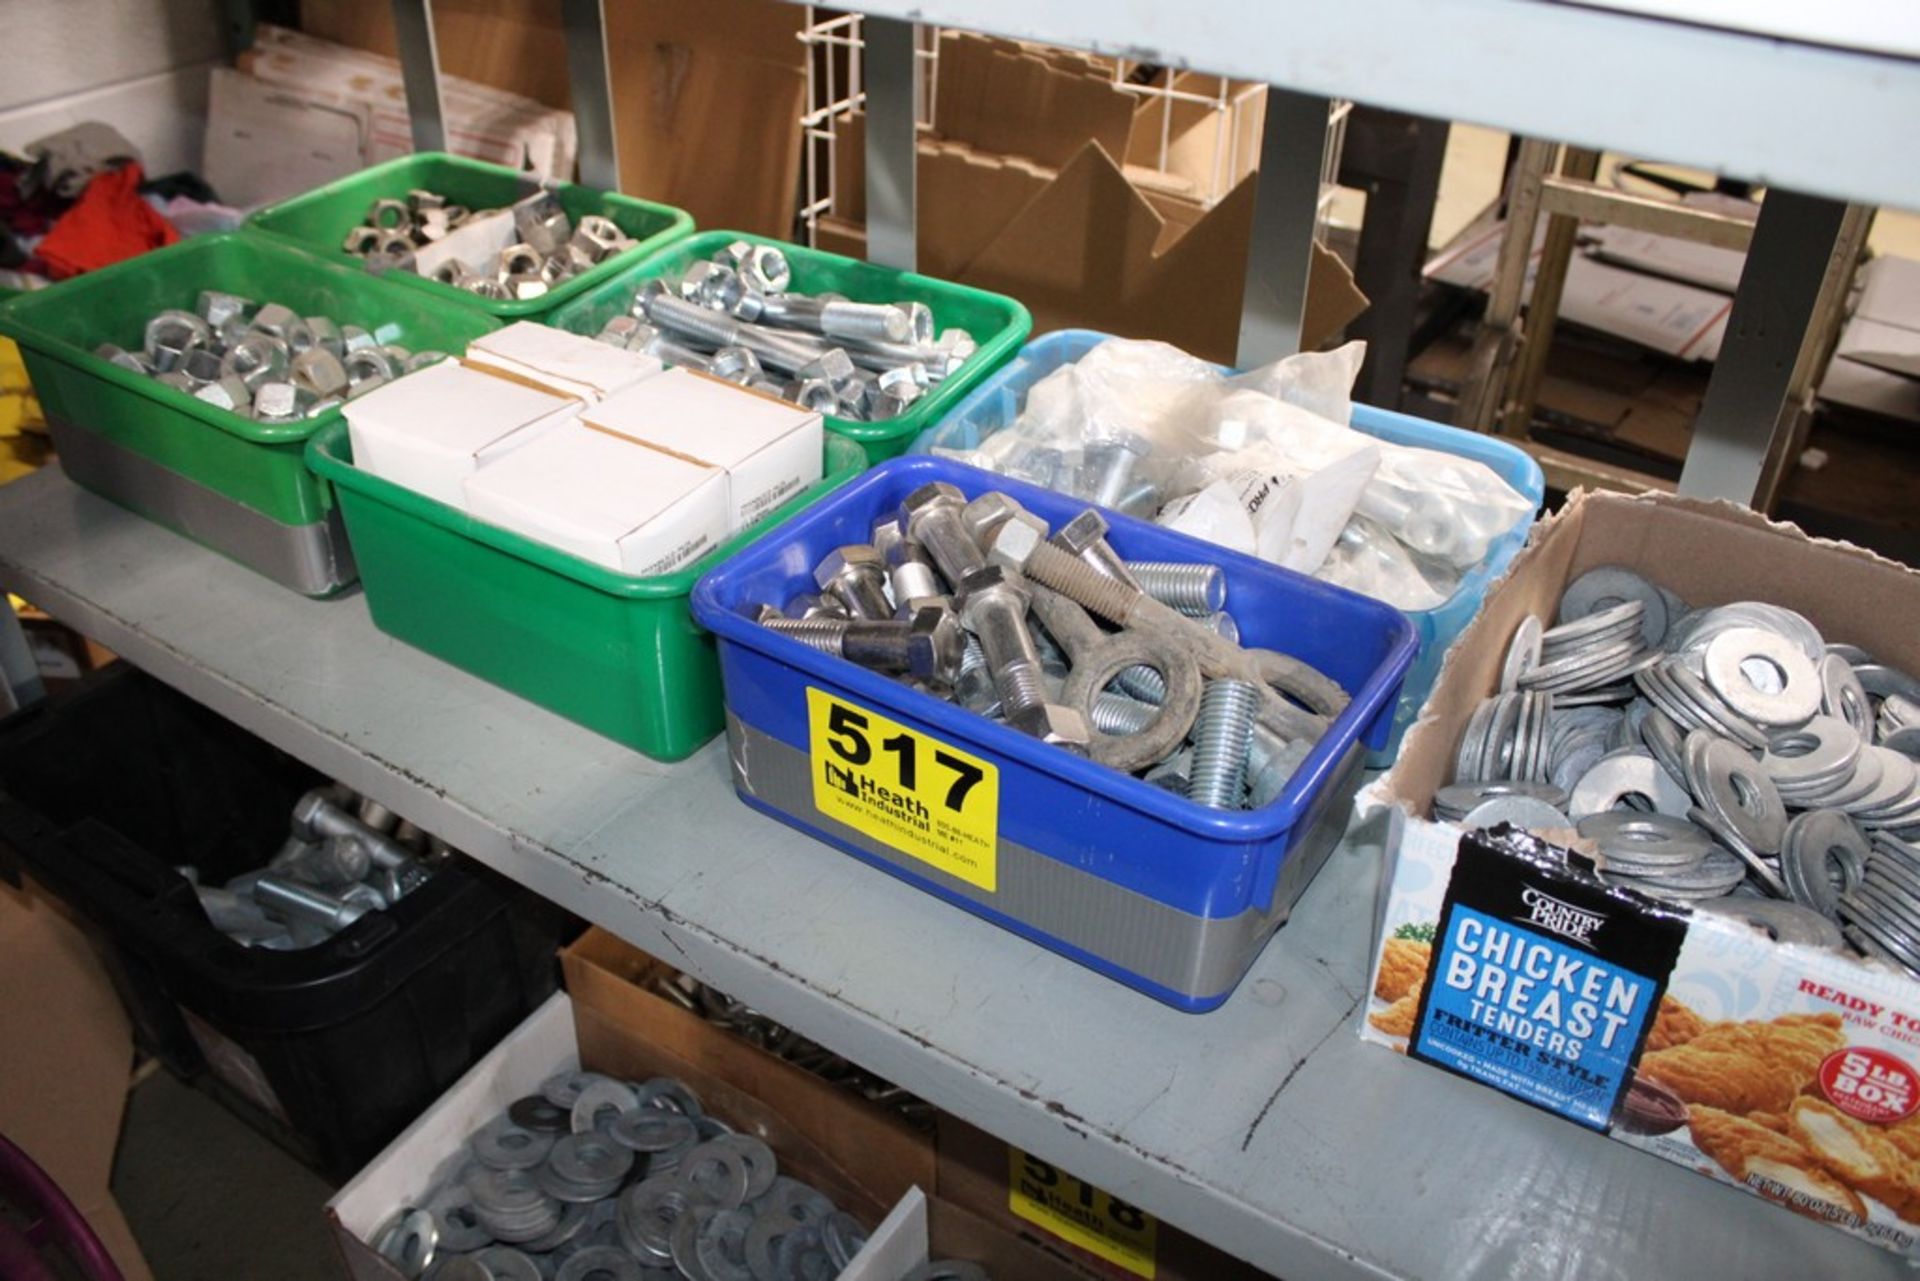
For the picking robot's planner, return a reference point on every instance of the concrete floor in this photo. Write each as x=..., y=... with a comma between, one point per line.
x=210, y=1199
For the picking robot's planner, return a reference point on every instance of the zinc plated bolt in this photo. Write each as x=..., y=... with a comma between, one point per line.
x=1222, y=734
x=1085, y=536
x=932, y=517
x=912, y=575
x=315, y=817
x=929, y=645
x=303, y=903
x=993, y=604
x=1194, y=588
x=1271, y=760
x=856, y=576
x=775, y=350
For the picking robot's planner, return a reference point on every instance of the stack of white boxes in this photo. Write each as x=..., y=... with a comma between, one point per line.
x=588, y=448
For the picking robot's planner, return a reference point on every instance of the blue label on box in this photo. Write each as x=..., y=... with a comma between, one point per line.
x=1542, y=984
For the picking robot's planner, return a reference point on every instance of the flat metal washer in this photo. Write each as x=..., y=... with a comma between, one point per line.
x=1455, y=799
x=1523, y=653
x=1784, y=921
x=1648, y=840
x=504, y=1263
x=600, y=1104
x=502, y=1145
x=600, y=1263
x=1732, y=660
x=1614, y=778
x=410, y=1241
x=1521, y=811
x=1824, y=857
x=1605, y=586
x=540, y=1114
x=1731, y=787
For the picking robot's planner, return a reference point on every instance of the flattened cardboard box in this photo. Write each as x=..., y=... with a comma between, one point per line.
x=1788, y=1071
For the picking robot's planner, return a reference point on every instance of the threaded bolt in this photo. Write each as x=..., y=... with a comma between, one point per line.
x=1081, y=583
x=315, y=817
x=301, y=903
x=932, y=517
x=1222, y=733
x=994, y=604
x=822, y=634
x=777, y=351
x=865, y=322
x=927, y=645
x=1085, y=536
x=1195, y=589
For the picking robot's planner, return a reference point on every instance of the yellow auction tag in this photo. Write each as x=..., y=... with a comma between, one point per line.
x=904, y=789
x=1080, y=1214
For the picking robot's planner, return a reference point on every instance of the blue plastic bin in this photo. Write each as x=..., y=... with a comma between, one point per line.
x=1149, y=888
x=996, y=402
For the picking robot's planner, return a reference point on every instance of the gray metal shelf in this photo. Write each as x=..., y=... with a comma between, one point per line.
x=1266, y=1127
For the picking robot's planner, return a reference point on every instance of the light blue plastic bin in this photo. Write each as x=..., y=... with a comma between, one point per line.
x=997, y=402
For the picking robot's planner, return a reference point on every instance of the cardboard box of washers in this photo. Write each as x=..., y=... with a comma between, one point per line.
x=1773, y=1057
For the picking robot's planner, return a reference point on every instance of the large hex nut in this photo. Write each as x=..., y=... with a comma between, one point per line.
x=217, y=308
x=354, y=338
x=520, y=260
x=201, y=366
x=122, y=357
x=527, y=286
x=256, y=359
x=361, y=240
x=227, y=393
x=390, y=215
x=326, y=334
x=766, y=270
x=420, y=199
x=180, y=330
x=534, y=217
x=432, y=226
x=833, y=366
x=322, y=371
x=274, y=319
x=276, y=402
x=369, y=362
x=599, y=237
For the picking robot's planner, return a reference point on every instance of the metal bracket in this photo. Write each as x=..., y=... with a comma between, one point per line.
x=892, y=76
x=591, y=79
x=1286, y=203
x=420, y=70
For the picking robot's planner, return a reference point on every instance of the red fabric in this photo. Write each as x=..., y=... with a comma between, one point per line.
x=108, y=223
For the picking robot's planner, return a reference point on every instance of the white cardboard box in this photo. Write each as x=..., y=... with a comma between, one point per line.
x=569, y=364
x=605, y=499
x=769, y=450
x=432, y=429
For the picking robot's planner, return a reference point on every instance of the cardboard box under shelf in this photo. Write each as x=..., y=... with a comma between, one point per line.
x=1685, y=975
x=1035, y=182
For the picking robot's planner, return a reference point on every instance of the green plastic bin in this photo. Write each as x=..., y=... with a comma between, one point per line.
x=618, y=654
x=238, y=486
x=998, y=324
x=320, y=220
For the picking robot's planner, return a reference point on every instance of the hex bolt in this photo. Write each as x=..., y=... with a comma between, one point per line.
x=865, y=321
x=1222, y=733
x=1107, y=468
x=315, y=817
x=993, y=604
x=1085, y=536
x=929, y=645
x=775, y=350
x=332, y=862
x=911, y=574
x=1194, y=588
x=303, y=903
x=1117, y=714
x=973, y=687
x=932, y=516
x=856, y=576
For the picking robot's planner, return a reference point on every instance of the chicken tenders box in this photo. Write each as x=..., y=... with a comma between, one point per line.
x=1787, y=1070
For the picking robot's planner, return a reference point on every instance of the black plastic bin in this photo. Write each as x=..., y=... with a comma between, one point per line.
x=104, y=791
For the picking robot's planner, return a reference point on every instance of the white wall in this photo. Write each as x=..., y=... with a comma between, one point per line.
x=138, y=65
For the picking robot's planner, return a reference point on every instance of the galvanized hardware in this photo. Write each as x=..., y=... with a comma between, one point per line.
x=863, y=361
x=292, y=901
x=267, y=363
x=856, y=576
x=1222, y=737
x=1520, y=811
x=1085, y=536
x=1782, y=921
x=928, y=645
x=1608, y=586
x=1194, y=589
x=1763, y=676
x=933, y=517
x=409, y=1240
x=550, y=248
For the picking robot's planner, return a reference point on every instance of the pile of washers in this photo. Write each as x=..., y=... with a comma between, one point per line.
x=546, y=246
x=264, y=360
x=737, y=317
x=342, y=859
x=597, y=1179
x=1725, y=756
x=981, y=602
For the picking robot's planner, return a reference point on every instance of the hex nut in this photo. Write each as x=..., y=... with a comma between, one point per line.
x=765, y=270
x=432, y=226
x=600, y=237
x=554, y=269
x=321, y=370
x=326, y=334
x=815, y=394
x=832, y=365
x=735, y=364
x=451, y=270
x=175, y=379
x=420, y=198
x=276, y=402
x=520, y=260
x=256, y=359
x=389, y=214
x=369, y=362
x=361, y=240
x=180, y=330
x=273, y=319
x=903, y=382
x=201, y=366
x=527, y=286
x=121, y=357
x=217, y=308
x=354, y=338
x=227, y=393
